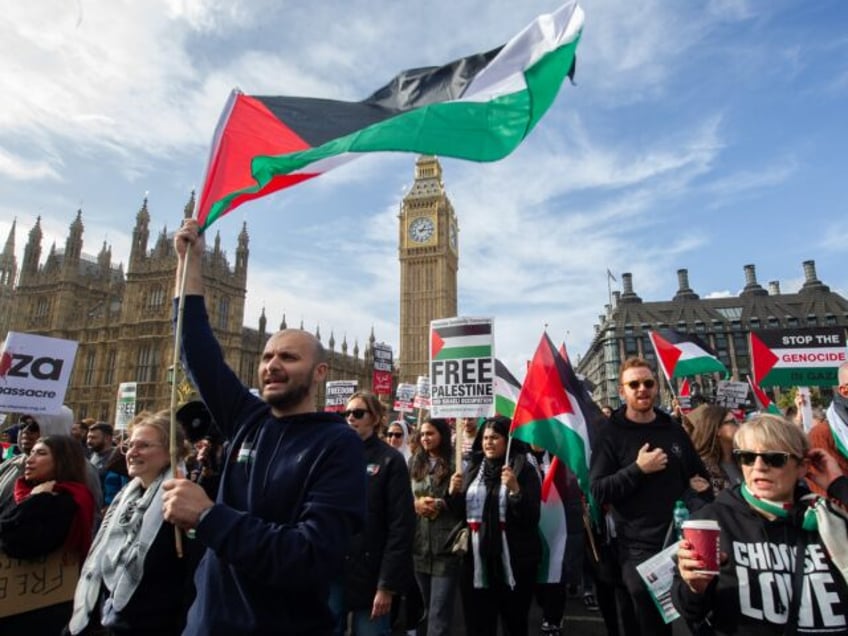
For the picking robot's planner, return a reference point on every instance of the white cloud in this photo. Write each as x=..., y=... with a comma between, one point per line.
x=22, y=169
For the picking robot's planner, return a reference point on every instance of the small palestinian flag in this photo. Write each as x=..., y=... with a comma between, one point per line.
x=684, y=397
x=478, y=108
x=507, y=389
x=761, y=398
x=552, y=525
x=554, y=412
x=452, y=340
x=682, y=355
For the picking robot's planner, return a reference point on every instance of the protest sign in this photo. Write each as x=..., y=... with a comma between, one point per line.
x=30, y=584
x=338, y=394
x=34, y=372
x=404, y=398
x=125, y=406
x=797, y=357
x=462, y=367
x=730, y=394
x=422, y=392
x=381, y=381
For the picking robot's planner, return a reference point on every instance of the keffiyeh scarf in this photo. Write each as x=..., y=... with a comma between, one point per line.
x=117, y=555
x=475, y=500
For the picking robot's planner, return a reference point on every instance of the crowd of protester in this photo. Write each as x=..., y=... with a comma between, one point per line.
x=268, y=524
x=436, y=532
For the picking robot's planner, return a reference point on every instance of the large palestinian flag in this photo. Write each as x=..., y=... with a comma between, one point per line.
x=683, y=355
x=478, y=107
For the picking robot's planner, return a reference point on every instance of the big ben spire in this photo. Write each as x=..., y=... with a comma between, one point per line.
x=429, y=259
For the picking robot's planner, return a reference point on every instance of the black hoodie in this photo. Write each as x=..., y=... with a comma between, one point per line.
x=752, y=591
x=642, y=503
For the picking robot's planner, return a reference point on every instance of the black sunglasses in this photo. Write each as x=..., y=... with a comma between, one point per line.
x=775, y=459
x=635, y=384
x=390, y=434
x=358, y=414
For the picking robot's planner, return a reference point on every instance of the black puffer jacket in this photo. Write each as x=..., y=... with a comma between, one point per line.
x=381, y=555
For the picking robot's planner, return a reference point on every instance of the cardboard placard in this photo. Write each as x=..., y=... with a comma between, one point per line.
x=27, y=585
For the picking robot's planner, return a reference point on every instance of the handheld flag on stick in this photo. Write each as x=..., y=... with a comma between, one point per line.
x=681, y=355
x=479, y=108
x=553, y=412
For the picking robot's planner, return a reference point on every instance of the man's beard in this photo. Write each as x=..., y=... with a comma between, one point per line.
x=293, y=396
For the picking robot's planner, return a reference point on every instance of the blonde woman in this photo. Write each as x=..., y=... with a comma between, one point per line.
x=778, y=574
x=133, y=582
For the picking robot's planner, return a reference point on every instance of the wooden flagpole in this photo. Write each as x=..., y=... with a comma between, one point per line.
x=172, y=448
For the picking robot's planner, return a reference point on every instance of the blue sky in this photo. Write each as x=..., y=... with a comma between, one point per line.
x=700, y=135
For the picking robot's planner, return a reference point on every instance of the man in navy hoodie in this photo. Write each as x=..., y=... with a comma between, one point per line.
x=292, y=490
x=642, y=462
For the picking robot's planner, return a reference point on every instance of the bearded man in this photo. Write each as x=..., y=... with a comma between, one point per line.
x=293, y=481
x=643, y=461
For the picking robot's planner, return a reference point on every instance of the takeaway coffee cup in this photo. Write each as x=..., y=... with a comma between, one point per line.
x=704, y=534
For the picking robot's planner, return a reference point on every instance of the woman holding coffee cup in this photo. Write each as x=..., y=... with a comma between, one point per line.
x=767, y=524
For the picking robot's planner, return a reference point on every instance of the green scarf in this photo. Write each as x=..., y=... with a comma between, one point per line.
x=810, y=523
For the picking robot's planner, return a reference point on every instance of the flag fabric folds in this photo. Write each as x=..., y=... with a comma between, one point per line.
x=552, y=523
x=681, y=355
x=764, y=404
x=507, y=389
x=554, y=412
x=478, y=108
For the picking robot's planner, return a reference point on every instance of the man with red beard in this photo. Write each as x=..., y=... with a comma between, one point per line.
x=642, y=463
x=293, y=481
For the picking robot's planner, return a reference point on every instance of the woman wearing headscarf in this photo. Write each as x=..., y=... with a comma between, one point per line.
x=500, y=498
x=436, y=566
x=712, y=428
x=133, y=581
x=53, y=508
x=397, y=436
x=784, y=550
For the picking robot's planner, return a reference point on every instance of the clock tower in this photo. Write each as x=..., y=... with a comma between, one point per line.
x=429, y=258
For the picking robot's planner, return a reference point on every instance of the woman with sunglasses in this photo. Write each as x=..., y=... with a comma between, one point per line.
x=436, y=565
x=712, y=428
x=133, y=581
x=378, y=566
x=397, y=436
x=53, y=509
x=778, y=574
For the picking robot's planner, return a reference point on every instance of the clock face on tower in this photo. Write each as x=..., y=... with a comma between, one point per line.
x=452, y=238
x=421, y=229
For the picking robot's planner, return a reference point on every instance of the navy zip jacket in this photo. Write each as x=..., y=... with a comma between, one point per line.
x=292, y=493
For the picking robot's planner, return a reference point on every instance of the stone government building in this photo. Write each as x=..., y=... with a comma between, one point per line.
x=723, y=323
x=123, y=321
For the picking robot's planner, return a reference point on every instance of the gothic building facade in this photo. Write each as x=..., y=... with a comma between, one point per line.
x=123, y=321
